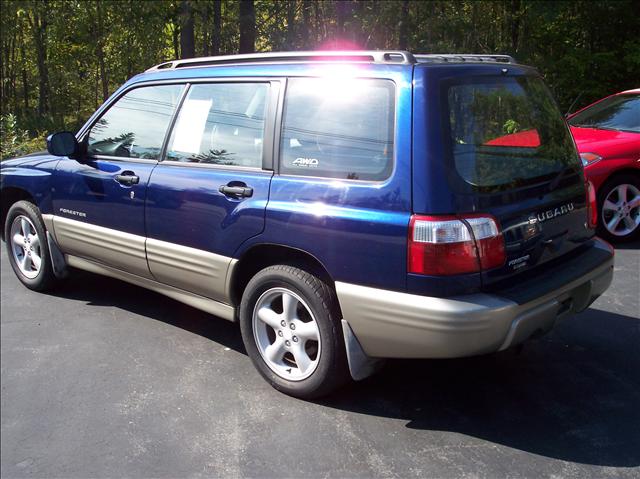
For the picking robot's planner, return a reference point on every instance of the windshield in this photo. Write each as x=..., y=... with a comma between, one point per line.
x=620, y=112
x=506, y=132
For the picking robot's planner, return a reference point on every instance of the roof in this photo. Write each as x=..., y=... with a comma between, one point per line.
x=352, y=56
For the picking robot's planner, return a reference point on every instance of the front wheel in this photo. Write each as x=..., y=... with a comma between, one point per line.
x=27, y=247
x=619, y=208
x=291, y=329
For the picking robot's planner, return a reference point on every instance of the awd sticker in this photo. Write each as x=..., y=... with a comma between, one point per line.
x=306, y=162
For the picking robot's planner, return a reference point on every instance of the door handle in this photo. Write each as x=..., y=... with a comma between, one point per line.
x=236, y=191
x=128, y=178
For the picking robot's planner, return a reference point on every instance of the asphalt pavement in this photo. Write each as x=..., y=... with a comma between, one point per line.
x=103, y=379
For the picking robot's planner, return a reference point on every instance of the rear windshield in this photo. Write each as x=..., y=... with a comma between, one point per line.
x=620, y=112
x=505, y=132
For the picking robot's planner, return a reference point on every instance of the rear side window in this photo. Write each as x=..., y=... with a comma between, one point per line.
x=135, y=126
x=221, y=124
x=507, y=131
x=338, y=129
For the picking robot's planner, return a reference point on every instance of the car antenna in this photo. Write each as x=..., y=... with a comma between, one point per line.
x=574, y=103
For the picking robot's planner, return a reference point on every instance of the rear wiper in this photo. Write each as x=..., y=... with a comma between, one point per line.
x=561, y=174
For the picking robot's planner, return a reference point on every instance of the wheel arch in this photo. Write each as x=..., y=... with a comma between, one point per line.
x=619, y=172
x=10, y=195
x=260, y=256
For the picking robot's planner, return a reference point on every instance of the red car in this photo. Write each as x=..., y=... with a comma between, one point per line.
x=607, y=134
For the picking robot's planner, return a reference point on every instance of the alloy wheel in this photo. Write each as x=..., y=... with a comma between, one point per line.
x=26, y=246
x=286, y=334
x=621, y=210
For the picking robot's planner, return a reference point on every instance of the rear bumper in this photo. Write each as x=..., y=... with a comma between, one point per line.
x=389, y=324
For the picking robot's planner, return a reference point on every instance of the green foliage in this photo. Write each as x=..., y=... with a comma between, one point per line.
x=510, y=126
x=15, y=141
x=62, y=58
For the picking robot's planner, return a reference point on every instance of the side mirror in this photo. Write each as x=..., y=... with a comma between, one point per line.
x=63, y=143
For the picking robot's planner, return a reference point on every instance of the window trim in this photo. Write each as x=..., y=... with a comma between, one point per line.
x=172, y=122
x=394, y=125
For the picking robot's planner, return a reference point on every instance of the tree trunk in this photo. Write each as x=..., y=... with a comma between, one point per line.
x=291, y=24
x=39, y=28
x=187, y=47
x=95, y=90
x=247, y=20
x=25, y=78
x=316, y=14
x=100, y=51
x=217, y=26
x=205, y=29
x=342, y=9
x=309, y=35
x=403, y=26
x=515, y=25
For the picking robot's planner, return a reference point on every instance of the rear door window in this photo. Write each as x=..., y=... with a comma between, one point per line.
x=507, y=131
x=221, y=124
x=338, y=129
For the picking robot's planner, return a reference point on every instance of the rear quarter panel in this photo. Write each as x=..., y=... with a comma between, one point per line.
x=356, y=229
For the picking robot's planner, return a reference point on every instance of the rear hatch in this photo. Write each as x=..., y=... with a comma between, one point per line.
x=509, y=153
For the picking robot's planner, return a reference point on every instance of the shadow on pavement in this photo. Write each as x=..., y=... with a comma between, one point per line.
x=99, y=290
x=572, y=400
x=631, y=245
x=576, y=400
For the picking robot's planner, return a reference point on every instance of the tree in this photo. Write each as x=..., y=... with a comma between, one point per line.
x=59, y=59
x=38, y=22
x=217, y=27
x=247, y=24
x=403, y=26
x=100, y=49
x=187, y=42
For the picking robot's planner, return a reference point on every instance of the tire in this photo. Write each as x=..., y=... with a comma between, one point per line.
x=24, y=217
x=626, y=211
x=283, y=309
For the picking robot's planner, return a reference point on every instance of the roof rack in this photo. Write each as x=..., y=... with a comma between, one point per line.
x=362, y=56
x=463, y=57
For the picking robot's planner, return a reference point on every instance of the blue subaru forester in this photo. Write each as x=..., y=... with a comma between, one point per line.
x=343, y=207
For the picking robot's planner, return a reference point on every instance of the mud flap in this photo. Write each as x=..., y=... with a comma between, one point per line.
x=57, y=258
x=361, y=366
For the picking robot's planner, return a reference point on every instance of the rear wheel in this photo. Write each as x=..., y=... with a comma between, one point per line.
x=619, y=208
x=291, y=329
x=27, y=247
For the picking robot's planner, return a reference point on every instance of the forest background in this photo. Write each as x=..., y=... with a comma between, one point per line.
x=60, y=59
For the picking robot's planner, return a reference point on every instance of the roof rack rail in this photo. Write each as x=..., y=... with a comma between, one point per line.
x=365, y=56
x=462, y=57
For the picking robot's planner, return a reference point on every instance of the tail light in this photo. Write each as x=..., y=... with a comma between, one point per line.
x=592, y=205
x=448, y=245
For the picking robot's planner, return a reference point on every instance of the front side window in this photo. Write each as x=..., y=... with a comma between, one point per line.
x=221, y=124
x=338, y=128
x=620, y=112
x=507, y=131
x=135, y=126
